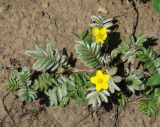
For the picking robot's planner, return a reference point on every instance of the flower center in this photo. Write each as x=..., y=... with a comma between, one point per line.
x=100, y=35
x=100, y=80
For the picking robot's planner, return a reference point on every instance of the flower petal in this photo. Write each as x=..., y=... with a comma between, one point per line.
x=98, y=87
x=95, y=31
x=106, y=77
x=104, y=86
x=104, y=37
x=103, y=30
x=99, y=40
x=99, y=73
x=93, y=80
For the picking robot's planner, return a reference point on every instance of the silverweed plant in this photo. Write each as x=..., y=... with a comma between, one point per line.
x=115, y=67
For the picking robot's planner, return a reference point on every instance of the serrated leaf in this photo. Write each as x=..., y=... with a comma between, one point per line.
x=55, y=67
x=156, y=5
x=132, y=40
x=27, y=94
x=114, y=53
x=59, y=93
x=113, y=71
x=113, y=86
x=96, y=18
x=12, y=85
x=153, y=80
x=149, y=106
x=157, y=94
x=117, y=79
x=50, y=50
x=141, y=40
x=52, y=94
x=48, y=60
x=91, y=94
x=135, y=82
x=103, y=97
x=89, y=54
x=64, y=101
x=150, y=59
x=44, y=82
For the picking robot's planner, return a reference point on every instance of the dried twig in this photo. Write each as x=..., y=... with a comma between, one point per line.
x=130, y=10
x=116, y=117
x=3, y=121
x=6, y=109
x=135, y=99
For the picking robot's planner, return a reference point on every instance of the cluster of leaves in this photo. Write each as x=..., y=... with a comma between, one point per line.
x=21, y=81
x=49, y=77
x=53, y=75
x=145, y=78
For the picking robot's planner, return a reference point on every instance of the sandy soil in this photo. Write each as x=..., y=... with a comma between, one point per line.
x=24, y=23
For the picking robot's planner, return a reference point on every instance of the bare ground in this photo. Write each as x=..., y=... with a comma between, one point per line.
x=24, y=23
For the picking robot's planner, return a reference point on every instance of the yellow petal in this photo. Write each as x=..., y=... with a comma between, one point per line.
x=93, y=80
x=95, y=31
x=106, y=77
x=104, y=37
x=99, y=73
x=105, y=86
x=103, y=30
x=99, y=40
x=98, y=87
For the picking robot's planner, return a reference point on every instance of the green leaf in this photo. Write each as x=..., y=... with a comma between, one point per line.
x=96, y=98
x=153, y=80
x=141, y=40
x=24, y=77
x=44, y=82
x=114, y=53
x=135, y=83
x=19, y=79
x=53, y=99
x=148, y=106
x=48, y=60
x=64, y=101
x=157, y=94
x=121, y=98
x=12, y=85
x=113, y=71
x=89, y=54
x=113, y=86
x=98, y=21
x=58, y=91
x=150, y=60
x=27, y=94
x=117, y=79
x=132, y=40
x=156, y=5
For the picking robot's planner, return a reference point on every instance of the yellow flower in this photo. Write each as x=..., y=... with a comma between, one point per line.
x=99, y=35
x=100, y=80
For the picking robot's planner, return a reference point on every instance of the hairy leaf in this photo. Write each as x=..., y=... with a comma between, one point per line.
x=149, y=106
x=153, y=80
x=150, y=60
x=89, y=54
x=47, y=60
x=136, y=83
x=96, y=98
x=98, y=21
x=44, y=82
x=156, y=5
x=27, y=94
